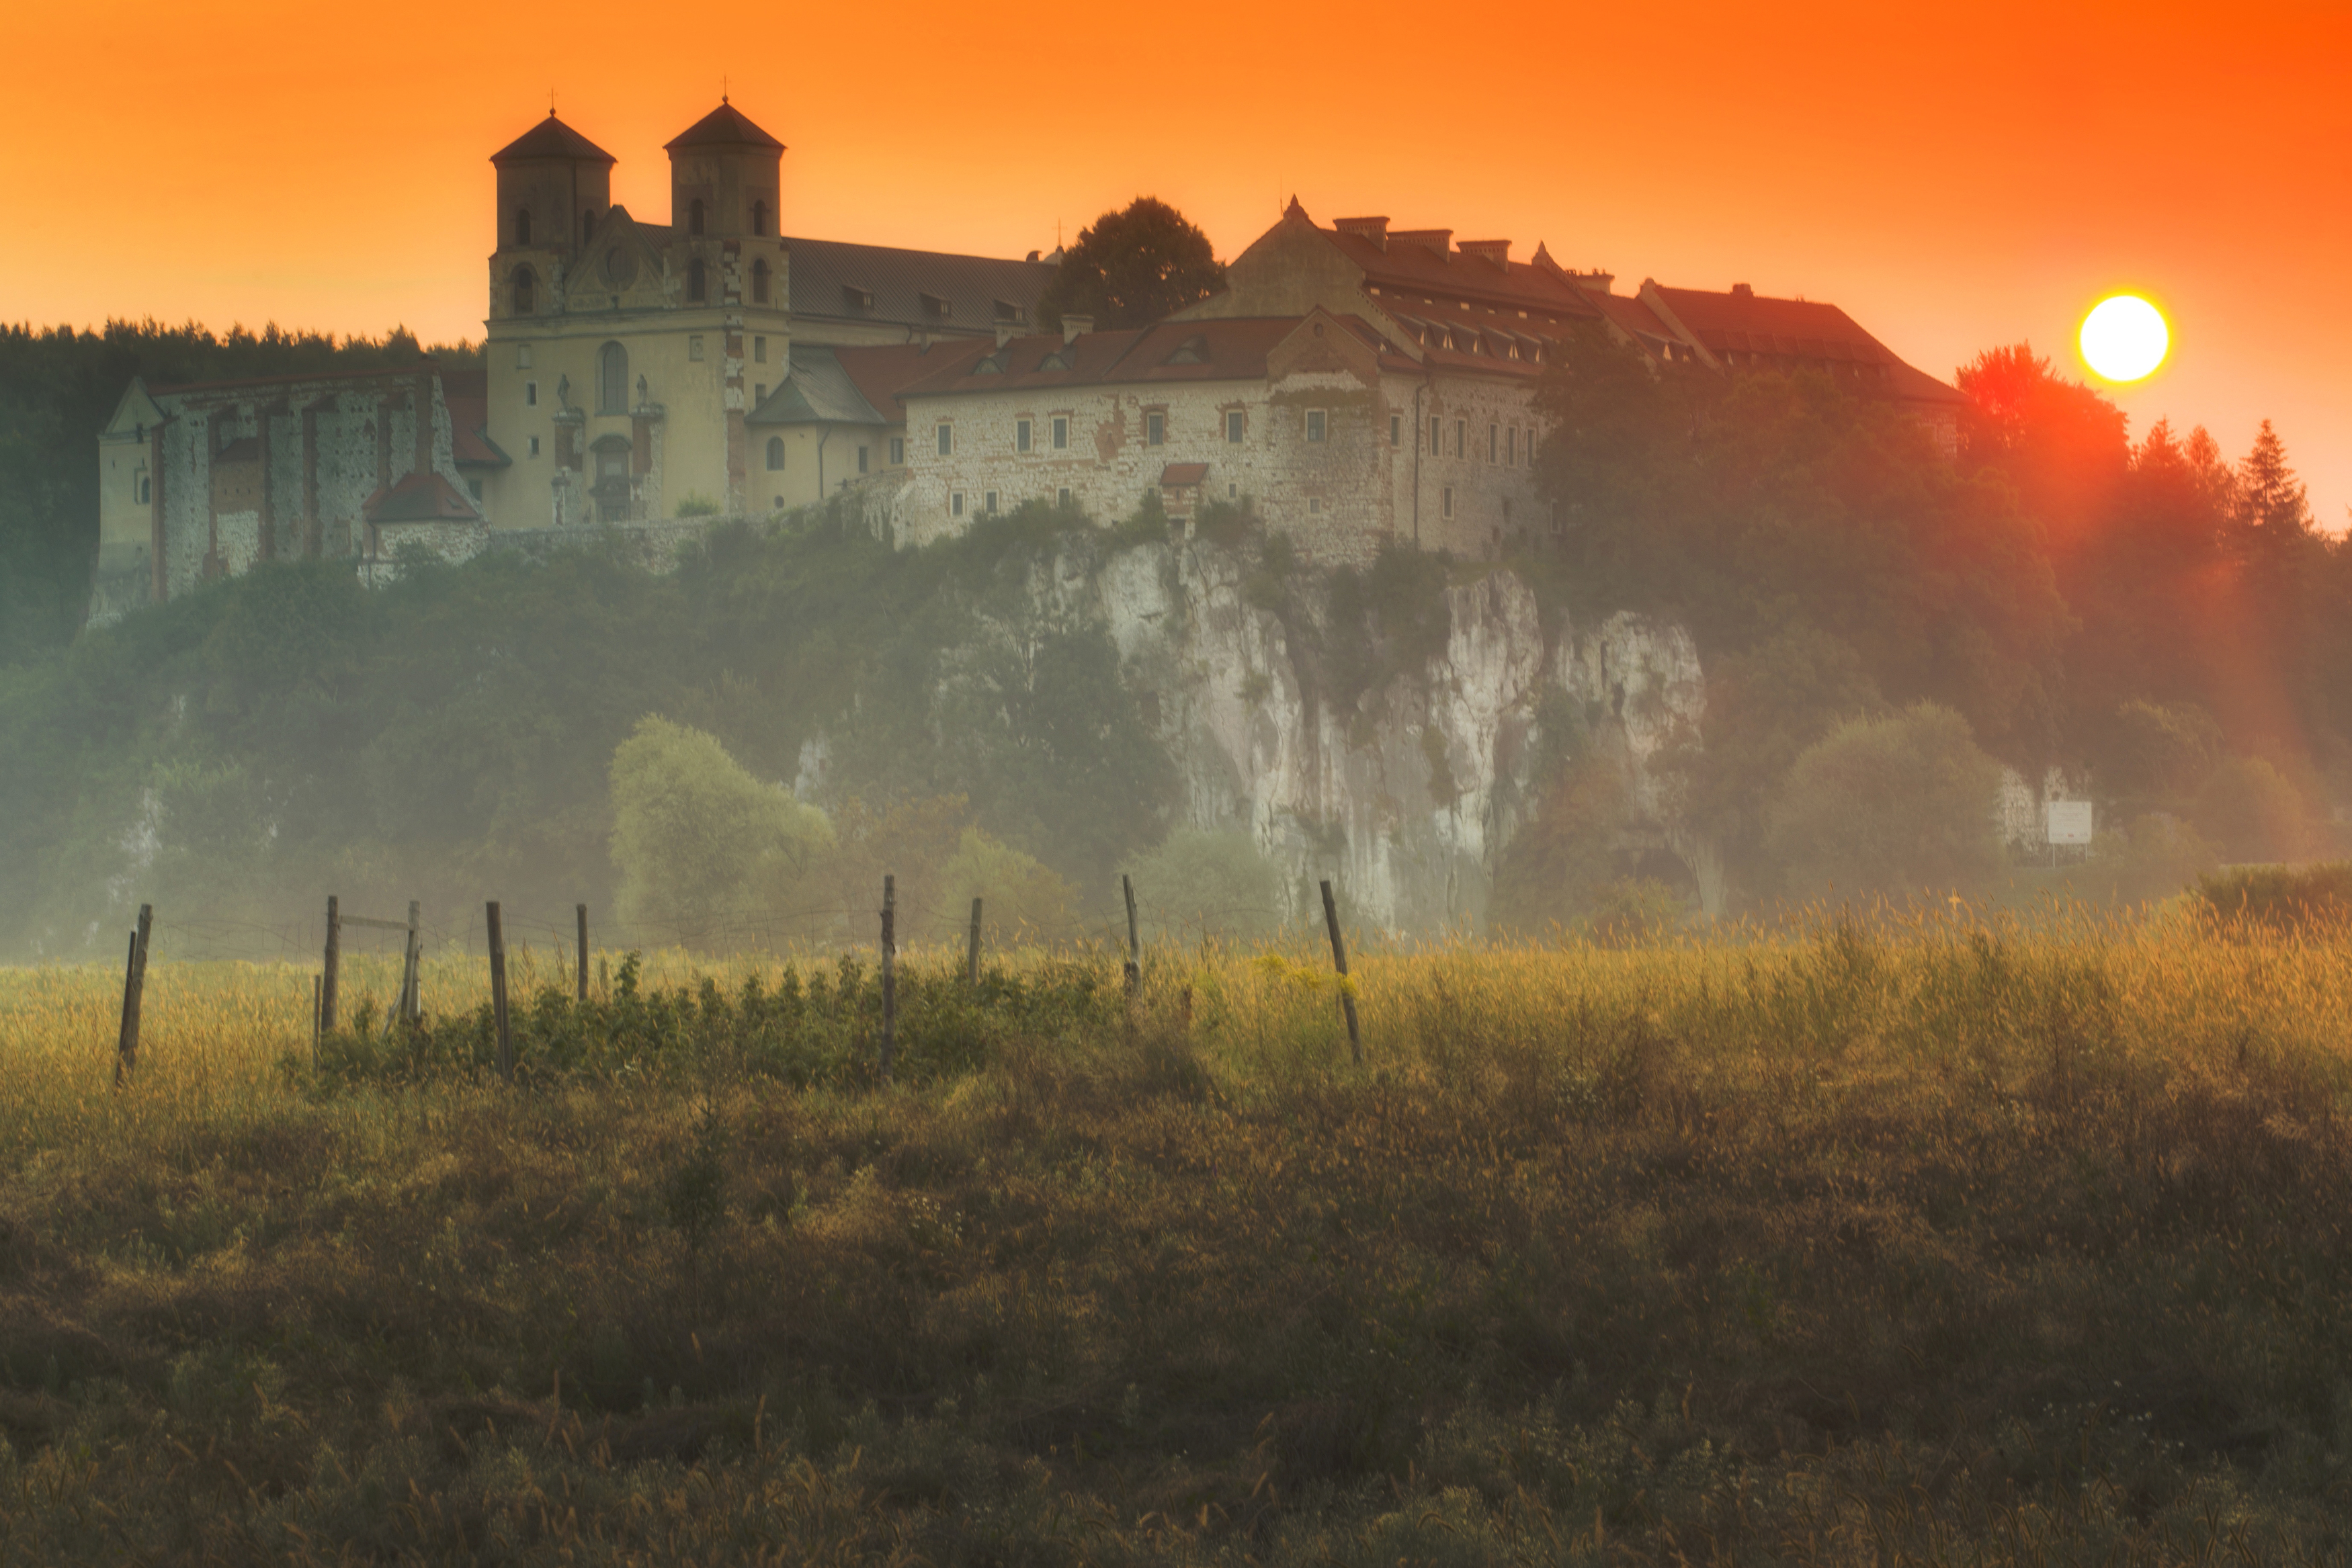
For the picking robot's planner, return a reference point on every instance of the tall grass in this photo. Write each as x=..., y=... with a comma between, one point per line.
x=1933, y=1241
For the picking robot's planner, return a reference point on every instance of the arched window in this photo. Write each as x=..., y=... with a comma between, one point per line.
x=759, y=218
x=587, y=225
x=697, y=282
x=523, y=226
x=758, y=283
x=612, y=378
x=526, y=291
x=694, y=217
x=775, y=454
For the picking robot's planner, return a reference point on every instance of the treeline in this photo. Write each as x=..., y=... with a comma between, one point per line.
x=57, y=388
x=2166, y=621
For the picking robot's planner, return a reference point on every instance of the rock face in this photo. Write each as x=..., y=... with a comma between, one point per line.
x=1407, y=797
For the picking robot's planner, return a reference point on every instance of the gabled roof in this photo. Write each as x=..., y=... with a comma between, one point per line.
x=421, y=496
x=725, y=126
x=135, y=411
x=1794, y=332
x=830, y=279
x=467, y=394
x=550, y=138
x=818, y=390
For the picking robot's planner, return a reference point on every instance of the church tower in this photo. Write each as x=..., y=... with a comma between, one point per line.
x=553, y=184
x=723, y=176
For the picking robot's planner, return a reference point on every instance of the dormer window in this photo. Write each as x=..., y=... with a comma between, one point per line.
x=1193, y=351
x=1007, y=311
x=935, y=304
x=856, y=298
x=694, y=218
x=523, y=226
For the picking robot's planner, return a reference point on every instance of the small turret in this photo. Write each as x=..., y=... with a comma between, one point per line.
x=724, y=172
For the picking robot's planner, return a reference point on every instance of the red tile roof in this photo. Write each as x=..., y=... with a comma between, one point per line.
x=1176, y=475
x=419, y=496
x=1792, y=333
x=1216, y=349
x=725, y=126
x=550, y=138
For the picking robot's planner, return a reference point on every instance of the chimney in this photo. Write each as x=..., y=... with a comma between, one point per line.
x=1437, y=241
x=1003, y=333
x=1497, y=251
x=1743, y=291
x=1373, y=229
x=1072, y=325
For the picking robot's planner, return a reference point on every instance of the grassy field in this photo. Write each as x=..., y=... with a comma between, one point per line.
x=1944, y=1244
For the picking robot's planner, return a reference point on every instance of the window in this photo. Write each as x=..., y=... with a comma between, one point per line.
x=1511, y=446
x=1396, y=430
x=1434, y=445
x=947, y=440
x=698, y=279
x=1531, y=447
x=955, y=503
x=989, y=500
x=523, y=356
x=523, y=226
x=1020, y=435
x=1494, y=441
x=530, y=395
x=759, y=350
x=1062, y=498
x=693, y=345
x=1313, y=506
x=1317, y=423
x=1061, y=431
x=758, y=283
x=534, y=446
x=861, y=459
x=760, y=227
x=758, y=393
x=587, y=225
x=694, y=217
x=612, y=378
x=898, y=450
x=1234, y=423
x=526, y=291
x=1155, y=428
x=1445, y=502
x=146, y=488
x=474, y=488
x=775, y=454
x=1461, y=438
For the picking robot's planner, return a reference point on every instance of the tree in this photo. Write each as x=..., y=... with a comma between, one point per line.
x=1021, y=901
x=708, y=854
x=1198, y=883
x=1890, y=807
x=1131, y=269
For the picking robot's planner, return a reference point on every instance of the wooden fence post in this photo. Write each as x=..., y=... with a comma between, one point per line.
x=1134, y=941
x=581, y=911
x=315, y=993
x=134, y=985
x=499, y=992
x=972, y=958
x=889, y=974
x=412, y=1009
x=327, y=975
x=1340, y=962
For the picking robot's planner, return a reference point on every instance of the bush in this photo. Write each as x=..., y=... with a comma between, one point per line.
x=1632, y=911
x=1022, y=901
x=2274, y=898
x=1198, y=883
x=701, y=845
x=2155, y=858
x=2251, y=813
x=1549, y=874
x=1890, y=807
x=698, y=505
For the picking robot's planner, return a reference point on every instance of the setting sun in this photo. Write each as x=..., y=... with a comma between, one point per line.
x=2125, y=338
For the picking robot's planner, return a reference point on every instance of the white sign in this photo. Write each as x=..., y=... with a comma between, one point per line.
x=2070, y=822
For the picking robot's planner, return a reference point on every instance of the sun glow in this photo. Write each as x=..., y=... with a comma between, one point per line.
x=2125, y=338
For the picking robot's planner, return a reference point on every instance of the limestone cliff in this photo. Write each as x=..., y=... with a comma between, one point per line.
x=1408, y=794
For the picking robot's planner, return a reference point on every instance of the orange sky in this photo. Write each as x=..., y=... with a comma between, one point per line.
x=1956, y=176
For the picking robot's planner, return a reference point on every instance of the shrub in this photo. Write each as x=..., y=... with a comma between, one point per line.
x=2251, y=813
x=1199, y=883
x=2274, y=898
x=1890, y=807
x=698, y=505
x=2155, y=857
x=1022, y=901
